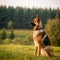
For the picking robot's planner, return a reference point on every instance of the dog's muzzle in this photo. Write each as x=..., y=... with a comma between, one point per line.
x=33, y=24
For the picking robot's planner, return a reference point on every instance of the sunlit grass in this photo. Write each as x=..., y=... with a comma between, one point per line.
x=56, y=50
x=23, y=52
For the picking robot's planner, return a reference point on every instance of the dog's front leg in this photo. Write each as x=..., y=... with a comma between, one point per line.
x=35, y=52
x=39, y=50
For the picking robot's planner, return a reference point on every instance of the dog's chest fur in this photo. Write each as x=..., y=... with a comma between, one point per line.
x=37, y=37
x=36, y=33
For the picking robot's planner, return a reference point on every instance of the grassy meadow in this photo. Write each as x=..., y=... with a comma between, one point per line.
x=23, y=52
x=21, y=37
x=22, y=47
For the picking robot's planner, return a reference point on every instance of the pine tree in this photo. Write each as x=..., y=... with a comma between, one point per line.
x=12, y=36
x=3, y=35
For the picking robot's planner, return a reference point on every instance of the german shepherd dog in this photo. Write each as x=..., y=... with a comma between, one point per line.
x=41, y=40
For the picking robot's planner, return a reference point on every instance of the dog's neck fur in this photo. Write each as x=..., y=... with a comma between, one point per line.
x=36, y=27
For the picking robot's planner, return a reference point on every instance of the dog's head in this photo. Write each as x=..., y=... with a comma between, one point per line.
x=36, y=21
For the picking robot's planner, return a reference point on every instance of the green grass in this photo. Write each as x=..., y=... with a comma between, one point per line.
x=22, y=36
x=18, y=33
x=23, y=52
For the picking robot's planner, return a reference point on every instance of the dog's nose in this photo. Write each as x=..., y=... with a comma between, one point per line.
x=30, y=23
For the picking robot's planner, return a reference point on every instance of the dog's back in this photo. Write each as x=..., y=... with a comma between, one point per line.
x=46, y=40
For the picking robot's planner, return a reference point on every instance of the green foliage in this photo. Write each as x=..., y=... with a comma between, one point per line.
x=10, y=24
x=16, y=41
x=3, y=35
x=28, y=40
x=23, y=37
x=12, y=36
x=52, y=29
x=6, y=41
x=21, y=17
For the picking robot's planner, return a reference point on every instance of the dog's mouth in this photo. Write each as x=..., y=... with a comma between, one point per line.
x=32, y=24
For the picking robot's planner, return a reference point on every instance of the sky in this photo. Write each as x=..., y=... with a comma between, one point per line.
x=32, y=3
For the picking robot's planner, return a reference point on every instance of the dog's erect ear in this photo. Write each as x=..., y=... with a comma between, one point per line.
x=37, y=18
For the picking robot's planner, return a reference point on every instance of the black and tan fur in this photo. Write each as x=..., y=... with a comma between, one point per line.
x=41, y=40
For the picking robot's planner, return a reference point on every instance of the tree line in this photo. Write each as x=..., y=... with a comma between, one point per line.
x=20, y=17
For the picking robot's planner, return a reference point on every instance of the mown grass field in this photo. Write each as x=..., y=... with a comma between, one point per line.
x=23, y=52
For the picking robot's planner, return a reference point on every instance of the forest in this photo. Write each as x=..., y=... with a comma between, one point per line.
x=19, y=17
